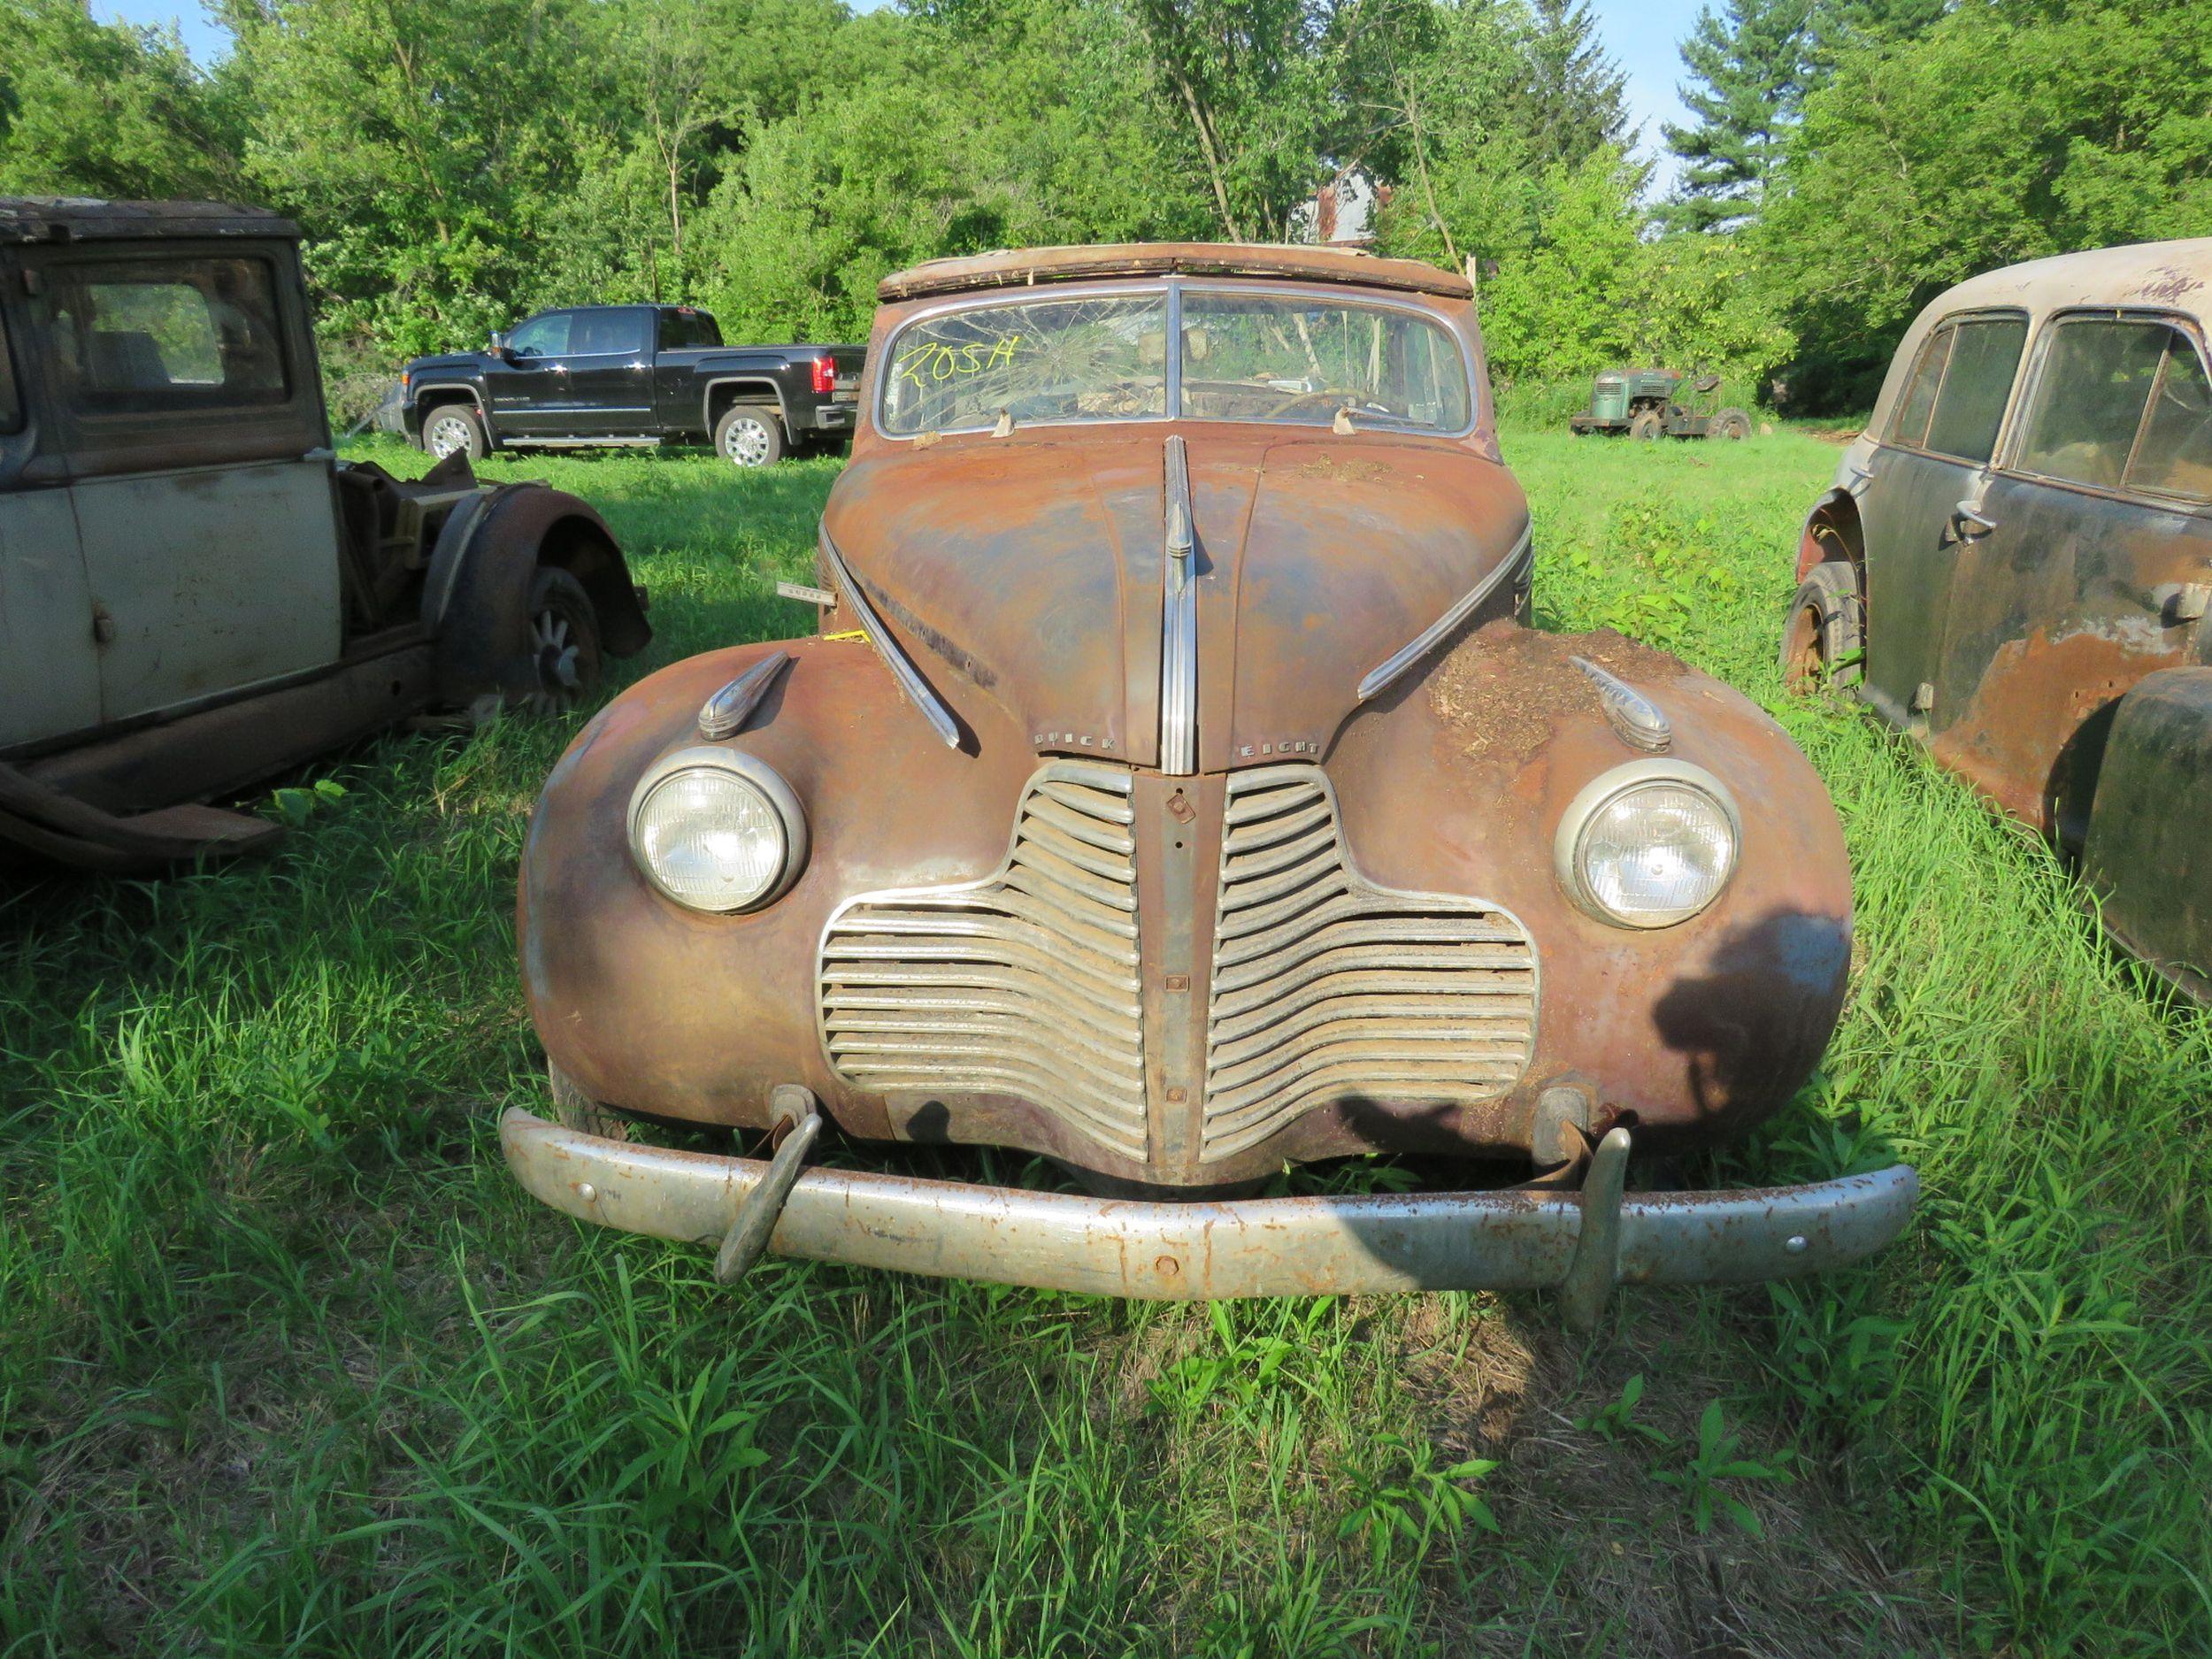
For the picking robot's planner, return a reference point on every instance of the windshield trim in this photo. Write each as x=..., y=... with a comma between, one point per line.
x=1173, y=288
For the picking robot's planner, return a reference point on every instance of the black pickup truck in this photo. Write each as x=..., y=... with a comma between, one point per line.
x=595, y=375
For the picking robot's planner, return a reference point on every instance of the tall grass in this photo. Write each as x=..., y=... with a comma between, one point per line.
x=288, y=1366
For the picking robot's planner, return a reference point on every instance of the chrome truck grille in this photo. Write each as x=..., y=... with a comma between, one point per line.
x=1024, y=983
x=1327, y=986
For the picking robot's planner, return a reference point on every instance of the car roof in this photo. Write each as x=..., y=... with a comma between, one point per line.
x=2172, y=274
x=1023, y=267
x=28, y=218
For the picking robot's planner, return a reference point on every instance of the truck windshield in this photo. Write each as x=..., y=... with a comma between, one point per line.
x=1243, y=357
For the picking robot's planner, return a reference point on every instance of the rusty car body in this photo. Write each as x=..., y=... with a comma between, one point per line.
x=2014, y=562
x=194, y=593
x=1194, y=802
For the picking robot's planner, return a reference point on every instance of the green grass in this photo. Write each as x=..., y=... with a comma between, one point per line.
x=289, y=1366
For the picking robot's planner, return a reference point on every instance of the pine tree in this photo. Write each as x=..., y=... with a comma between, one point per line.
x=1577, y=96
x=1748, y=65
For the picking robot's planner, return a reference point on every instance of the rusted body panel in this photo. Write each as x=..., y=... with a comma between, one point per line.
x=1027, y=579
x=2011, y=607
x=1025, y=267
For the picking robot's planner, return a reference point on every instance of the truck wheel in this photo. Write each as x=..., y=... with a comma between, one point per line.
x=1646, y=426
x=563, y=638
x=1824, y=636
x=573, y=1108
x=749, y=434
x=454, y=429
x=1731, y=425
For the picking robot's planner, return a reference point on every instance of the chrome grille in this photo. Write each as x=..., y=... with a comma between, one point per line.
x=1327, y=986
x=1024, y=983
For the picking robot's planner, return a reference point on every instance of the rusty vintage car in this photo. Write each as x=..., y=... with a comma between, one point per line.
x=2015, y=563
x=195, y=591
x=1194, y=802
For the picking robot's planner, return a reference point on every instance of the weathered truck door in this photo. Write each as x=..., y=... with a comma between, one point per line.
x=2087, y=567
x=50, y=678
x=200, y=468
x=1934, y=457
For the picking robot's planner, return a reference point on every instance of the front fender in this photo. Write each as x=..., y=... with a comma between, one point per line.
x=1693, y=1032
x=2147, y=848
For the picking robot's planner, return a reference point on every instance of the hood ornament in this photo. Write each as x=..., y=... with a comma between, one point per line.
x=1178, y=625
x=1634, y=717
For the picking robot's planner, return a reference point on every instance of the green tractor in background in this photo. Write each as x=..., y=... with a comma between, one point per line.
x=1642, y=403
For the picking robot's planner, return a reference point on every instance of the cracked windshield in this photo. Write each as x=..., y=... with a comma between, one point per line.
x=1245, y=358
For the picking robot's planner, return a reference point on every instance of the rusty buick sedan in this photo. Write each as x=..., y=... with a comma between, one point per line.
x=2015, y=563
x=1173, y=791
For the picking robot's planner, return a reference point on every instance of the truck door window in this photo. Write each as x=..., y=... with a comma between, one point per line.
x=543, y=336
x=2174, y=455
x=149, y=337
x=608, y=335
x=2091, y=396
x=1977, y=385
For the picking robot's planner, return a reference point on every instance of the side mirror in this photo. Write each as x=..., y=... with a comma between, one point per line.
x=497, y=348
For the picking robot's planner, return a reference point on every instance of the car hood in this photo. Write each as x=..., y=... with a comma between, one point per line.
x=1031, y=570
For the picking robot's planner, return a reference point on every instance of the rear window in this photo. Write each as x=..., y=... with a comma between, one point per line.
x=609, y=333
x=148, y=336
x=684, y=329
x=2121, y=403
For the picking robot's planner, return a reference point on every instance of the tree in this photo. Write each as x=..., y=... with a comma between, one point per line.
x=1575, y=98
x=91, y=109
x=1748, y=64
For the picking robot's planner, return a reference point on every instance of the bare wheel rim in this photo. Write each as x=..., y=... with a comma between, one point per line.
x=745, y=440
x=554, y=644
x=448, y=435
x=1805, y=659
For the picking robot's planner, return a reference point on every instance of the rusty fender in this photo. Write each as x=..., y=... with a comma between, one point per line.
x=1261, y=1246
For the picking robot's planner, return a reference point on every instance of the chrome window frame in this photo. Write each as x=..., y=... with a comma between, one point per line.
x=1173, y=288
x=2031, y=387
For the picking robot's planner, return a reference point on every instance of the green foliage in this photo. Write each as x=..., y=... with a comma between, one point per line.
x=91, y=110
x=1748, y=66
x=1717, y=1456
x=1418, y=1502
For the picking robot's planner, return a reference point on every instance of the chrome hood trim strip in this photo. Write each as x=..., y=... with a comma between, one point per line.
x=903, y=670
x=1179, y=622
x=1420, y=646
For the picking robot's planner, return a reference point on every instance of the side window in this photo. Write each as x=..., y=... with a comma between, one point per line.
x=1975, y=387
x=2174, y=455
x=11, y=398
x=543, y=336
x=144, y=337
x=683, y=328
x=2091, y=396
x=1910, y=425
x=608, y=334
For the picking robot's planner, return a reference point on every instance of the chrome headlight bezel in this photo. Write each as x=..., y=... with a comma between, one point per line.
x=1600, y=793
x=756, y=775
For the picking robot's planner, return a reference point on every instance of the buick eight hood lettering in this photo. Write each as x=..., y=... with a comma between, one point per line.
x=1175, y=790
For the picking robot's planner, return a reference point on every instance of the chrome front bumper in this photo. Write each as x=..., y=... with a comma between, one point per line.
x=1261, y=1246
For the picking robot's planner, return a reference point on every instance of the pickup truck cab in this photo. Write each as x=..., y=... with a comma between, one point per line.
x=593, y=376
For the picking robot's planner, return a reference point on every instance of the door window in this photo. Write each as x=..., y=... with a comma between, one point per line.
x=2174, y=455
x=150, y=336
x=543, y=336
x=1977, y=385
x=608, y=334
x=2103, y=392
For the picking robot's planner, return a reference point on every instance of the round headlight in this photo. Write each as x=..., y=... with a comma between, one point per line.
x=1649, y=844
x=716, y=830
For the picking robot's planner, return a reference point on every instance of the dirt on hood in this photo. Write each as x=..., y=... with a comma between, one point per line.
x=1505, y=685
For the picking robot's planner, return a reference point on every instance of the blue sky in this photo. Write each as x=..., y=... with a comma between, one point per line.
x=1642, y=35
